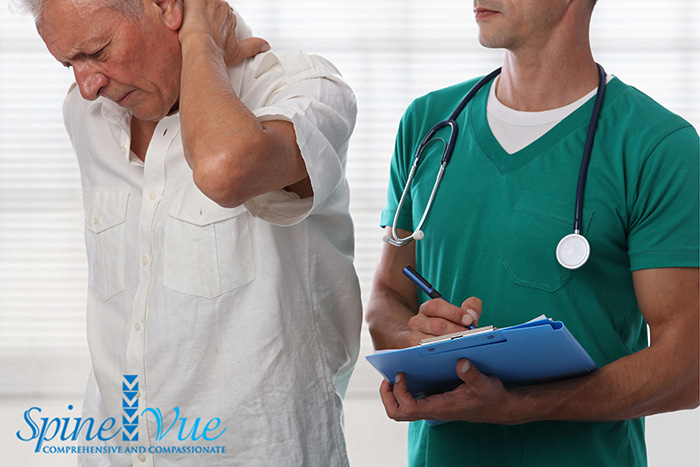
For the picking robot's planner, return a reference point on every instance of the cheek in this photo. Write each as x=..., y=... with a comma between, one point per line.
x=136, y=71
x=167, y=75
x=124, y=68
x=545, y=15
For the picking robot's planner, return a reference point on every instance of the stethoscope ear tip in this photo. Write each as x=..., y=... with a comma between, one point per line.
x=389, y=240
x=402, y=241
x=418, y=235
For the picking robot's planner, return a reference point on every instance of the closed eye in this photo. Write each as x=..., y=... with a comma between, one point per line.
x=97, y=54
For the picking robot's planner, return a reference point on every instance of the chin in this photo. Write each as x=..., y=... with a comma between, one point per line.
x=148, y=116
x=154, y=114
x=492, y=42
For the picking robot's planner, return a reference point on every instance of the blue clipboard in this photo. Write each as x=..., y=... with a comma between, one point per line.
x=537, y=351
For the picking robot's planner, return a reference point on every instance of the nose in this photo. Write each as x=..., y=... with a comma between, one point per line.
x=90, y=81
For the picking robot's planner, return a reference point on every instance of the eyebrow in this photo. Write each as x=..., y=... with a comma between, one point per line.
x=104, y=42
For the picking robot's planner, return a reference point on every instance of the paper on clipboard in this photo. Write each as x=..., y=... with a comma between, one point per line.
x=536, y=351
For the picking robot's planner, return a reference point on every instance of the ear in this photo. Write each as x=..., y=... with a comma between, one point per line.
x=170, y=12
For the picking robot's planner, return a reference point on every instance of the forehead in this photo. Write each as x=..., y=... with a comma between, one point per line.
x=69, y=26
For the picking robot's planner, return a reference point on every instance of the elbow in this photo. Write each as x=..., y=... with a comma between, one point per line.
x=373, y=312
x=372, y=321
x=218, y=178
x=693, y=399
x=226, y=171
x=371, y=324
x=687, y=395
x=693, y=388
x=378, y=337
x=381, y=329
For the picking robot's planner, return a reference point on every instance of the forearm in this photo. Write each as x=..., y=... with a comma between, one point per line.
x=233, y=155
x=387, y=315
x=207, y=101
x=393, y=300
x=658, y=379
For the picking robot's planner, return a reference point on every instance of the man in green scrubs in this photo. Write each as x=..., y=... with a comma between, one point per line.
x=506, y=200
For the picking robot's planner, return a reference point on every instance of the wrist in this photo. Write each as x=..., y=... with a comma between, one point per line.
x=195, y=42
x=523, y=407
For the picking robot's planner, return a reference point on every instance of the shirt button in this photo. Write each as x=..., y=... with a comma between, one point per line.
x=153, y=195
x=142, y=457
x=95, y=220
x=145, y=260
x=123, y=148
x=138, y=394
x=137, y=326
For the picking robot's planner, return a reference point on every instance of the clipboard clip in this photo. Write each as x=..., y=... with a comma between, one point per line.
x=456, y=335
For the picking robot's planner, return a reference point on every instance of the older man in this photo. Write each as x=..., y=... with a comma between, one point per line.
x=506, y=200
x=223, y=304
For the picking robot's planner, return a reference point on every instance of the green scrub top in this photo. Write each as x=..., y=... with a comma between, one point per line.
x=493, y=230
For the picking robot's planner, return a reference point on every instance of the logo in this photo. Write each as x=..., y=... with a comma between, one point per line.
x=46, y=431
x=130, y=405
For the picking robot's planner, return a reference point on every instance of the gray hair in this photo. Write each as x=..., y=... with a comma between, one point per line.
x=132, y=9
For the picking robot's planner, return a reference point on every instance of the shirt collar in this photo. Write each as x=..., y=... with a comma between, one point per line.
x=110, y=110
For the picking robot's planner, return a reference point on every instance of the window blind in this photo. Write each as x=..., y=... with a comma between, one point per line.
x=390, y=52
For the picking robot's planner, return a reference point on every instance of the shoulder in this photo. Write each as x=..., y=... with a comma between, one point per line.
x=74, y=107
x=444, y=99
x=292, y=63
x=631, y=111
x=278, y=68
x=78, y=110
x=296, y=81
x=73, y=100
x=433, y=107
x=642, y=136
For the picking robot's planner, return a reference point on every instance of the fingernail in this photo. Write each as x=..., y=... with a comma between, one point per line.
x=465, y=319
x=466, y=366
x=397, y=378
x=265, y=48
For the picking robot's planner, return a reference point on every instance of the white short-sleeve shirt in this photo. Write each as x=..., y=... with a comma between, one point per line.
x=249, y=315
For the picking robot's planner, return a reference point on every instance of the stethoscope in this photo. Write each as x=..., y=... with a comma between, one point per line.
x=573, y=250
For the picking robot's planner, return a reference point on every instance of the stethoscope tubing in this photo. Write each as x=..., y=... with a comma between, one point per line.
x=446, y=157
x=588, y=148
x=449, y=150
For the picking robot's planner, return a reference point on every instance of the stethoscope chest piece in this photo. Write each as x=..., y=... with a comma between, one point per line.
x=573, y=251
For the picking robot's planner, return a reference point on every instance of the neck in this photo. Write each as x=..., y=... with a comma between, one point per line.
x=549, y=73
x=141, y=134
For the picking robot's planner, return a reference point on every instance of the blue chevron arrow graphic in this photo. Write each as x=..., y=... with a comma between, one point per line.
x=131, y=419
x=133, y=405
x=130, y=403
x=130, y=387
x=130, y=378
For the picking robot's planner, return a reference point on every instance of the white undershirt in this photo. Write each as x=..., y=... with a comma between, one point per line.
x=516, y=129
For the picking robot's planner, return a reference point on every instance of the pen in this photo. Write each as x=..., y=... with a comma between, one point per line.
x=425, y=286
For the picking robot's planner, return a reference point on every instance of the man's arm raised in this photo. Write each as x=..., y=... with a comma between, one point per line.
x=233, y=155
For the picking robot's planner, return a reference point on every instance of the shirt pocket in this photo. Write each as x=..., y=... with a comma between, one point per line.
x=538, y=224
x=105, y=217
x=207, y=248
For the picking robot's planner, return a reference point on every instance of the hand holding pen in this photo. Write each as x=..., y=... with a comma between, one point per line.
x=439, y=317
